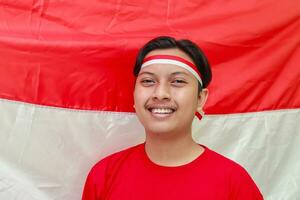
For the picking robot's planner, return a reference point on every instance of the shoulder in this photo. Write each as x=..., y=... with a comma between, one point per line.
x=240, y=182
x=224, y=164
x=220, y=161
x=114, y=159
x=96, y=181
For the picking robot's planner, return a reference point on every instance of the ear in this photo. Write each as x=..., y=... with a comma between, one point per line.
x=202, y=99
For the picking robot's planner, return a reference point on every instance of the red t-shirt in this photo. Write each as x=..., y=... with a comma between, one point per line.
x=130, y=174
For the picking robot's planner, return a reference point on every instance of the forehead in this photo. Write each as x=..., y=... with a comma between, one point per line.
x=164, y=69
x=171, y=51
x=167, y=69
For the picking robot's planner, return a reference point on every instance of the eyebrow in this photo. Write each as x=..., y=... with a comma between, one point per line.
x=174, y=73
x=179, y=73
x=149, y=73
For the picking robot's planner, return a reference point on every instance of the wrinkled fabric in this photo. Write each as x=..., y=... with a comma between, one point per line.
x=80, y=55
x=130, y=174
x=46, y=153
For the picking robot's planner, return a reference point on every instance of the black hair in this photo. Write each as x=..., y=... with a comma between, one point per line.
x=187, y=46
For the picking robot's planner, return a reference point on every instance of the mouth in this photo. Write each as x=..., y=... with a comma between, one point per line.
x=161, y=111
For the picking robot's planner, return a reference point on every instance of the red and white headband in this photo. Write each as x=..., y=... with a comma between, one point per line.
x=173, y=60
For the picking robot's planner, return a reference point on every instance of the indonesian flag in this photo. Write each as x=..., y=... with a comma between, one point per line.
x=66, y=87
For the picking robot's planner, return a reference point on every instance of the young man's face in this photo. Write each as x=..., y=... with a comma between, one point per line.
x=166, y=96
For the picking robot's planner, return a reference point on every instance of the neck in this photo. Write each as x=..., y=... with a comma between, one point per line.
x=172, y=149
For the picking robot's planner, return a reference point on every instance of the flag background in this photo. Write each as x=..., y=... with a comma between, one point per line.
x=66, y=87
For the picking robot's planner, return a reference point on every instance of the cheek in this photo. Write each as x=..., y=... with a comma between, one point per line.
x=135, y=97
x=187, y=93
x=140, y=96
x=187, y=99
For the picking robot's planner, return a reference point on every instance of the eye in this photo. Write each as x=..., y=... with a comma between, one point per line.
x=179, y=82
x=147, y=82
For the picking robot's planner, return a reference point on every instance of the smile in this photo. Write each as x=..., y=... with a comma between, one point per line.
x=161, y=110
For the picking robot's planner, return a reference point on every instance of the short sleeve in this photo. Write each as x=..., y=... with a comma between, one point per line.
x=243, y=187
x=94, y=187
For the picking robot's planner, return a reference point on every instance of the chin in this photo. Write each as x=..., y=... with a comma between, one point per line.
x=160, y=129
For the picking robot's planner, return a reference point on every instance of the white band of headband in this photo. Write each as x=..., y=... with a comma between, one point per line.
x=173, y=62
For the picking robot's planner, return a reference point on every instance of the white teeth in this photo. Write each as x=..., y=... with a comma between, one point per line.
x=162, y=110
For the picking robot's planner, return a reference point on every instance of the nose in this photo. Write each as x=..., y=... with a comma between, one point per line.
x=161, y=92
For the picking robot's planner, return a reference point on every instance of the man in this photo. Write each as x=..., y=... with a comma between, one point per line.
x=172, y=76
